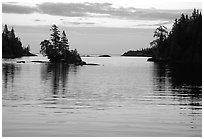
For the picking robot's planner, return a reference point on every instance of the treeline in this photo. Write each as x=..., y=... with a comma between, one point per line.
x=183, y=43
x=144, y=52
x=12, y=46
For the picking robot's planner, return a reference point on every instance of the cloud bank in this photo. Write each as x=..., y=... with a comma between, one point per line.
x=17, y=9
x=93, y=10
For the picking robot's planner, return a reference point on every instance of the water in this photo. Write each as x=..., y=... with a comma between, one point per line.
x=124, y=96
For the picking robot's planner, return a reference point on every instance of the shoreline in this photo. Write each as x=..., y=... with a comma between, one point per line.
x=161, y=60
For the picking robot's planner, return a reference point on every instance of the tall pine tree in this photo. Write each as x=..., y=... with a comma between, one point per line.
x=64, y=41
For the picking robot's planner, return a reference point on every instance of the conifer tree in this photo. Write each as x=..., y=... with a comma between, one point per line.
x=45, y=48
x=55, y=36
x=11, y=45
x=5, y=31
x=64, y=41
x=12, y=33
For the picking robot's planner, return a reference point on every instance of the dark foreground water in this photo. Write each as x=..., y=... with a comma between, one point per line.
x=121, y=97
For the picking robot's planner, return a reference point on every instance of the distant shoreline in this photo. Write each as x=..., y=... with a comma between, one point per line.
x=138, y=53
x=24, y=55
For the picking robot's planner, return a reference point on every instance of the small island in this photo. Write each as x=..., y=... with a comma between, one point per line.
x=26, y=51
x=139, y=53
x=57, y=49
x=104, y=56
x=12, y=46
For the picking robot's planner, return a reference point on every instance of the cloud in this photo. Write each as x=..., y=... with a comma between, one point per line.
x=13, y=2
x=76, y=9
x=106, y=9
x=94, y=10
x=17, y=9
x=154, y=24
x=79, y=23
x=60, y=9
x=164, y=23
x=37, y=20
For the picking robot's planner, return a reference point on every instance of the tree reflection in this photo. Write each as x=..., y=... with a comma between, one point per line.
x=181, y=80
x=8, y=73
x=58, y=75
x=181, y=84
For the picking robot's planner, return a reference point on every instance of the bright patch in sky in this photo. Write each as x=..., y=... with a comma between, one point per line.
x=92, y=13
x=159, y=4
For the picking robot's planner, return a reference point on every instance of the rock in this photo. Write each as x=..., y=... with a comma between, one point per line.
x=80, y=63
x=28, y=54
x=38, y=61
x=20, y=62
x=158, y=60
x=84, y=63
x=104, y=56
x=92, y=64
x=150, y=59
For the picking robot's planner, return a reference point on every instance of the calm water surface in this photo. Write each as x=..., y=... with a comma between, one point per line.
x=123, y=96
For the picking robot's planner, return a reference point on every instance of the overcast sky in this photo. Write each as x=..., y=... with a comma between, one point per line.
x=93, y=26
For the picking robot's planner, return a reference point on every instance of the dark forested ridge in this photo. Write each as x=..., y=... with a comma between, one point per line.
x=12, y=46
x=182, y=44
x=147, y=52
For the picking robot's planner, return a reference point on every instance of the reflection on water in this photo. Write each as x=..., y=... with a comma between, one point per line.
x=8, y=75
x=124, y=97
x=8, y=72
x=181, y=80
x=183, y=84
x=58, y=74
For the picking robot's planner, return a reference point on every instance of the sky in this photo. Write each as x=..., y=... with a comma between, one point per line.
x=94, y=26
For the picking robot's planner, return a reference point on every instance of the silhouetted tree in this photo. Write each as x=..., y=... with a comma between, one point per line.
x=65, y=45
x=12, y=34
x=45, y=48
x=5, y=31
x=56, y=52
x=64, y=41
x=11, y=45
x=160, y=35
x=55, y=36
